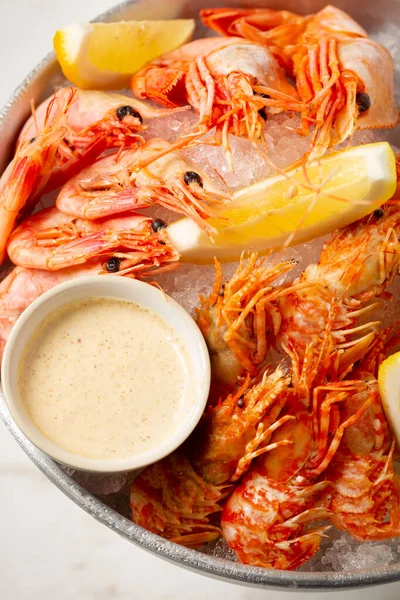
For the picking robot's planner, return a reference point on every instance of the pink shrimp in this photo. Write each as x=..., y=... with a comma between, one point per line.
x=67, y=132
x=52, y=240
x=29, y=170
x=93, y=114
x=231, y=83
x=95, y=121
x=117, y=183
x=344, y=78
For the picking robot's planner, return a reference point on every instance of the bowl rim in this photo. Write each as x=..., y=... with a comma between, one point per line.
x=130, y=290
x=191, y=559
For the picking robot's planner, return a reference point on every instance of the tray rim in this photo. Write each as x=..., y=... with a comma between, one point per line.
x=193, y=560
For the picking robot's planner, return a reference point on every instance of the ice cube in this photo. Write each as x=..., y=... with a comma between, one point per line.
x=347, y=555
x=171, y=127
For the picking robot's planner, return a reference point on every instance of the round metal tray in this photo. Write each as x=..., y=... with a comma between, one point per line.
x=38, y=85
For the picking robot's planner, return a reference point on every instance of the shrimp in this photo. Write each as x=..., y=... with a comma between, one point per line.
x=280, y=30
x=235, y=318
x=169, y=499
x=29, y=171
x=364, y=498
x=66, y=133
x=356, y=90
x=22, y=286
x=95, y=121
x=230, y=433
x=276, y=29
x=117, y=183
x=327, y=304
x=92, y=114
x=345, y=78
x=264, y=520
x=51, y=240
x=230, y=83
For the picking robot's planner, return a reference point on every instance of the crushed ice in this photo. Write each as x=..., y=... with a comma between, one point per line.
x=346, y=555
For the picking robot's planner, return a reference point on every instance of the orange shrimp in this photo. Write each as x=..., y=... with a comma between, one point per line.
x=356, y=90
x=234, y=432
x=327, y=303
x=51, y=240
x=264, y=520
x=344, y=78
x=365, y=495
x=235, y=317
x=117, y=183
x=169, y=499
x=231, y=84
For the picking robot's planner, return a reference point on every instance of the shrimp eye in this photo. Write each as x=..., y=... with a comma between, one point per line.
x=263, y=114
x=192, y=177
x=262, y=111
x=263, y=95
x=128, y=111
x=240, y=403
x=363, y=102
x=113, y=265
x=378, y=213
x=32, y=140
x=158, y=224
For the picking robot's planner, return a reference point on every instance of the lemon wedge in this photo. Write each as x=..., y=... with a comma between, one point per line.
x=389, y=387
x=352, y=183
x=104, y=55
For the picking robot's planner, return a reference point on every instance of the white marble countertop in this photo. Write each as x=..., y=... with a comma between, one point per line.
x=49, y=548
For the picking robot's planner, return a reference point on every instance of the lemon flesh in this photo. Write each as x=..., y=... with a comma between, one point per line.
x=104, y=55
x=281, y=209
x=389, y=387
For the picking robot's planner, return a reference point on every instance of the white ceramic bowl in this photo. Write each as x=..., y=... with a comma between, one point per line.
x=142, y=294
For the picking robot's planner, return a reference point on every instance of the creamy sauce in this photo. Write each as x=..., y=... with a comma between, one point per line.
x=105, y=378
